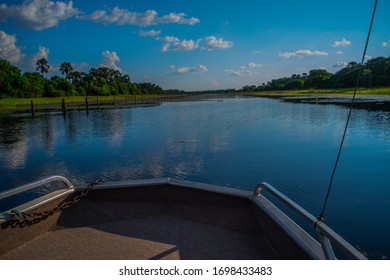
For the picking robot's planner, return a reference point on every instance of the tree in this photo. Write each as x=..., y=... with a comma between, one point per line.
x=42, y=66
x=35, y=84
x=10, y=79
x=67, y=70
x=346, y=77
x=297, y=83
x=148, y=88
x=318, y=78
x=380, y=69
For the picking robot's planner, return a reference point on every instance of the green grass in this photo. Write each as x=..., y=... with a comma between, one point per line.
x=10, y=104
x=16, y=103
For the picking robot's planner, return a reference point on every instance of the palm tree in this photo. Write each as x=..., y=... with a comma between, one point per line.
x=42, y=66
x=67, y=70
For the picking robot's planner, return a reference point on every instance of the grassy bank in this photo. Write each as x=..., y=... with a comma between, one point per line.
x=20, y=103
x=348, y=91
x=12, y=104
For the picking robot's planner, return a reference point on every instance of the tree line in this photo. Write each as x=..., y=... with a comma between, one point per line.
x=100, y=81
x=375, y=73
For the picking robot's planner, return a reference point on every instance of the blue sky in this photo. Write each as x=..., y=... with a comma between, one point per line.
x=193, y=45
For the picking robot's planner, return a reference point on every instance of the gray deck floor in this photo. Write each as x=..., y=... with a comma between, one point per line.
x=154, y=237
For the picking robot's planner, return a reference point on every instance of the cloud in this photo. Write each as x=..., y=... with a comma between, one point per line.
x=178, y=18
x=43, y=52
x=175, y=44
x=148, y=18
x=150, y=33
x=38, y=14
x=302, y=53
x=242, y=71
x=344, y=42
x=215, y=43
x=339, y=52
x=386, y=44
x=254, y=65
x=340, y=64
x=110, y=60
x=188, y=70
x=8, y=48
x=255, y=52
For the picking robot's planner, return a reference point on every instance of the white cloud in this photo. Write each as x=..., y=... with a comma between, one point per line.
x=38, y=14
x=110, y=60
x=43, y=52
x=339, y=52
x=302, y=53
x=171, y=39
x=254, y=65
x=183, y=70
x=8, y=48
x=188, y=70
x=175, y=44
x=148, y=18
x=150, y=33
x=202, y=68
x=178, y=18
x=344, y=42
x=255, y=52
x=215, y=43
x=386, y=44
x=242, y=71
x=287, y=54
x=340, y=64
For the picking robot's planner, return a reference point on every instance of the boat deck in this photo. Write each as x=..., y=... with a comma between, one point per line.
x=152, y=222
x=118, y=228
x=156, y=237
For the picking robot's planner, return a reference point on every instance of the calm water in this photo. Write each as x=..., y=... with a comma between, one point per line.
x=236, y=142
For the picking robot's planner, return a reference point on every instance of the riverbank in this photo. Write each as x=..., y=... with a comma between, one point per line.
x=306, y=92
x=55, y=104
x=20, y=105
x=367, y=99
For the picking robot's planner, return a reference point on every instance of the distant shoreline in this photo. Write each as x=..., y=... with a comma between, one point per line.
x=334, y=96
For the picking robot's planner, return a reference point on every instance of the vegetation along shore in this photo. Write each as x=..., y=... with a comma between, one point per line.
x=109, y=86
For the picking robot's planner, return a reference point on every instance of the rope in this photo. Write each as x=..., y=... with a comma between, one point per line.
x=320, y=217
x=13, y=213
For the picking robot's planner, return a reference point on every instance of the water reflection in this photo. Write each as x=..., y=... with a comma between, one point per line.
x=13, y=137
x=110, y=125
x=15, y=155
x=238, y=142
x=12, y=130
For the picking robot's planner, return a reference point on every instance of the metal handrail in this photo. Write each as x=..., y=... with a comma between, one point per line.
x=325, y=233
x=36, y=184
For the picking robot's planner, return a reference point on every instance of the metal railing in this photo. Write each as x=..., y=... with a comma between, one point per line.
x=37, y=202
x=326, y=236
x=36, y=184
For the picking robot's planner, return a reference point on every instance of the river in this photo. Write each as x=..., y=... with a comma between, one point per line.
x=234, y=142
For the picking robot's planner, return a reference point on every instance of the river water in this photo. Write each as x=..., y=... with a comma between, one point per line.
x=234, y=142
